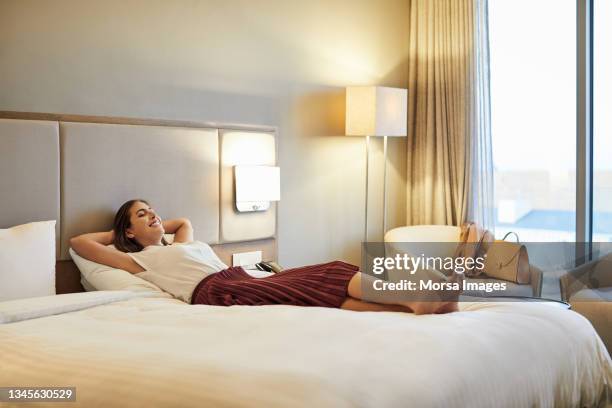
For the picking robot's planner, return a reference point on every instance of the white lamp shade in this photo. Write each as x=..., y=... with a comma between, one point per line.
x=257, y=183
x=376, y=111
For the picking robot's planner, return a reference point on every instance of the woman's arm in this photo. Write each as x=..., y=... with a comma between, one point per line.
x=94, y=247
x=181, y=228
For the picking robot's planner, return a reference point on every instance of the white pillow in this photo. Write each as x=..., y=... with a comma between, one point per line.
x=102, y=277
x=27, y=260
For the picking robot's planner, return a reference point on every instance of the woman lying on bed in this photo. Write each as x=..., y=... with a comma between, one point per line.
x=190, y=271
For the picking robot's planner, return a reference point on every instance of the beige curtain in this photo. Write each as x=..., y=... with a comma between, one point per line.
x=449, y=156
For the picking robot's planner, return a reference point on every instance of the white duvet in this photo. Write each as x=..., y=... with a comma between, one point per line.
x=161, y=352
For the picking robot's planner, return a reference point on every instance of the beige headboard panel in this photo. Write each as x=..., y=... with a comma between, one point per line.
x=29, y=172
x=104, y=165
x=79, y=169
x=250, y=148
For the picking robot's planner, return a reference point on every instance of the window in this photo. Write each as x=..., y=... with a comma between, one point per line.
x=602, y=121
x=533, y=117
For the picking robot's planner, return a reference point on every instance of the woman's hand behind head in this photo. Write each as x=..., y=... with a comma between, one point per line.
x=181, y=228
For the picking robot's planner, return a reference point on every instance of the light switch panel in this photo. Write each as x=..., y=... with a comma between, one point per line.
x=246, y=259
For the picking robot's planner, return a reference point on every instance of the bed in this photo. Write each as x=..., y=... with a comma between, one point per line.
x=128, y=348
x=151, y=351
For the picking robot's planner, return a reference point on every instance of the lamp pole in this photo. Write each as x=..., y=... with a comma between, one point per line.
x=367, y=172
x=384, y=209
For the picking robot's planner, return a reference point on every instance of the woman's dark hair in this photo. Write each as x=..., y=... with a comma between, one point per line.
x=120, y=226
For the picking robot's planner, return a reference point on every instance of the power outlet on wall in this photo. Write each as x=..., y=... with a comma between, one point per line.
x=246, y=259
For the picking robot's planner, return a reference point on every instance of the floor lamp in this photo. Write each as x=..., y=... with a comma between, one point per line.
x=380, y=112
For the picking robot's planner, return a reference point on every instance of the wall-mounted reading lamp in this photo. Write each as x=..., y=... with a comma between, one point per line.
x=256, y=187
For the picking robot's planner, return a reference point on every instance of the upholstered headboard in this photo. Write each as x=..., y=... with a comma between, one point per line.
x=80, y=169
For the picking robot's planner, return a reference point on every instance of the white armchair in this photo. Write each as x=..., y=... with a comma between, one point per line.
x=450, y=234
x=427, y=233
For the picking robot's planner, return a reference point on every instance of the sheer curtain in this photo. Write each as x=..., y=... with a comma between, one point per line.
x=450, y=165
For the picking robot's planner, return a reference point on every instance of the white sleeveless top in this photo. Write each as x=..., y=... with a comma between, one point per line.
x=177, y=268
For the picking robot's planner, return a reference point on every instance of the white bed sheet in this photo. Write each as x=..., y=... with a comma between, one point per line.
x=32, y=308
x=161, y=352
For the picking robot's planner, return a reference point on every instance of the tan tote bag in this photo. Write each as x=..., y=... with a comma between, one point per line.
x=508, y=260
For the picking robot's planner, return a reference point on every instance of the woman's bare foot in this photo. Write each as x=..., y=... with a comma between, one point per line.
x=431, y=307
x=448, y=307
x=447, y=302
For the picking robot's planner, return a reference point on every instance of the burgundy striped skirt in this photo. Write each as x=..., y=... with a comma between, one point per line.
x=323, y=285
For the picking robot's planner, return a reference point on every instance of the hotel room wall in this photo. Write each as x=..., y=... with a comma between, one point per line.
x=281, y=63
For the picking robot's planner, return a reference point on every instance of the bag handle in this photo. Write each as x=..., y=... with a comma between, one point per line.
x=512, y=233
